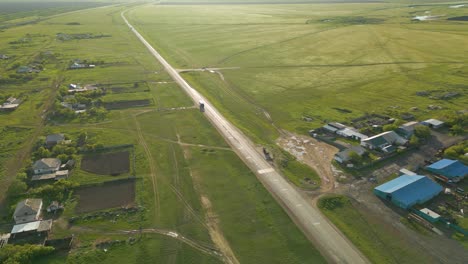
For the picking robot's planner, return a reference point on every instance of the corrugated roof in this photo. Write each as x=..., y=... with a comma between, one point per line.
x=449, y=168
x=31, y=226
x=410, y=190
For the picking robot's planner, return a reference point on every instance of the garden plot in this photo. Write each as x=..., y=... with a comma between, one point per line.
x=107, y=163
x=109, y=195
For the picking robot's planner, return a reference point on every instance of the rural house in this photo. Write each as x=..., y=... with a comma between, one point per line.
x=433, y=123
x=407, y=130
x=27, y=211
x=344, y=156
x=48, y=165
x=406, y=191
x=40, y=229
x=452, y=169
x=383, y=141
x=54, y=139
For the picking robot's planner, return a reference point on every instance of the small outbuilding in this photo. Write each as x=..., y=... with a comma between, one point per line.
x=344, y=156
x=433, y=123
x=452, y=169
x=407, y=191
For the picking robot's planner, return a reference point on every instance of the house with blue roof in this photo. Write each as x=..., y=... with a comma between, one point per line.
x=452, y=169
x=407, y=191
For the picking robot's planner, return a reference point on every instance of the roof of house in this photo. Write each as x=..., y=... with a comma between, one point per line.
x=42, y=177
x=344, y=155
x=46, y=163
x=409, y=189
x=389, y=137
x=39, y=226
x=337, y=125
x=55, y=138
x=28, y=207
x=449, y=168
x=349, y=132
x=433, y=122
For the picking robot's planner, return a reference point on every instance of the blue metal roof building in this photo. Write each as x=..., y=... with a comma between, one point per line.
x=406, y=191
x=449, y=168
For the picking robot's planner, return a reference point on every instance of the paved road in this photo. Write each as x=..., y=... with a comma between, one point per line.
x=332, y=244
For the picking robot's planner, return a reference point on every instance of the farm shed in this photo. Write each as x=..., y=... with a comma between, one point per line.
x=452, y=169
x=429, y=215
x=434, y=123
x=349, y=132
x=406, y=191
x=32, y=227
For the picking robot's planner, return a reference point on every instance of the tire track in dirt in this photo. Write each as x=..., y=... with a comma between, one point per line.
x=151, y=165
x=212, y=220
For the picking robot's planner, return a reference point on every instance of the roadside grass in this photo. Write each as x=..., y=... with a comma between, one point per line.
x=377, y=241
x=250, y=218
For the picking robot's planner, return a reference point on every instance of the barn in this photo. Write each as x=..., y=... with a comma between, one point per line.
x=406, y=191
x=452, y=169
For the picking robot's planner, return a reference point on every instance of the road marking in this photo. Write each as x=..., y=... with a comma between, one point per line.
x=266, y=171
x=249, y=157
x=298, y=205
x=316, y=223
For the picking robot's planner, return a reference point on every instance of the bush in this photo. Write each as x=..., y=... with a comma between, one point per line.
x=23, y=254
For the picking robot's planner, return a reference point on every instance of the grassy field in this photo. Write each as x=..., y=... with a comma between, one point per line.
x=170, y=183
x=306, y=60
x=378, y=242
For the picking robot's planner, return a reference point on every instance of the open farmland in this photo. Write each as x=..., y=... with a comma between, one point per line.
x=171, y=198
x=105, y=196
x=297, y=61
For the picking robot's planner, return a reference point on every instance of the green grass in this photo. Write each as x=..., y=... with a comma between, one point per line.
x=378, y=241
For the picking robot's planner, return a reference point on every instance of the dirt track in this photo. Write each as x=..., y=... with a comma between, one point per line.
x=316, y=154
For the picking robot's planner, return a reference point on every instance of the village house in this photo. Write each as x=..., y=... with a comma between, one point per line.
x=47, y=165
x=433, y=123
x=54, y=139
x=36, y=229
x=344, y=156
x=384, y=141
x=27, y=211
x=407, y=130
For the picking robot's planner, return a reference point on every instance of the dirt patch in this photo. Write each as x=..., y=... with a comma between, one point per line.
x=316, y=154
x=109, y=195
x=127, y=104
x=107, y=164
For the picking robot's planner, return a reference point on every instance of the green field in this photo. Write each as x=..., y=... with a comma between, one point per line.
x=300, y=61
x=380, y=243
x=179, y=156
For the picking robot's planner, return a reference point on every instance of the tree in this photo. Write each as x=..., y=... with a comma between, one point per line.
x=63, y=157
x=422, y=131
x=23, y=254
x=355, y=158
x=17, y=187
x=390, y=127
x=414, y=140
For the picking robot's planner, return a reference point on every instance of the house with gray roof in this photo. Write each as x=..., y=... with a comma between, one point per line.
x=407, y=130
x=54, y=139
x=344, y=156
x=27, y=211
x=383, y=140
x=45, y=166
